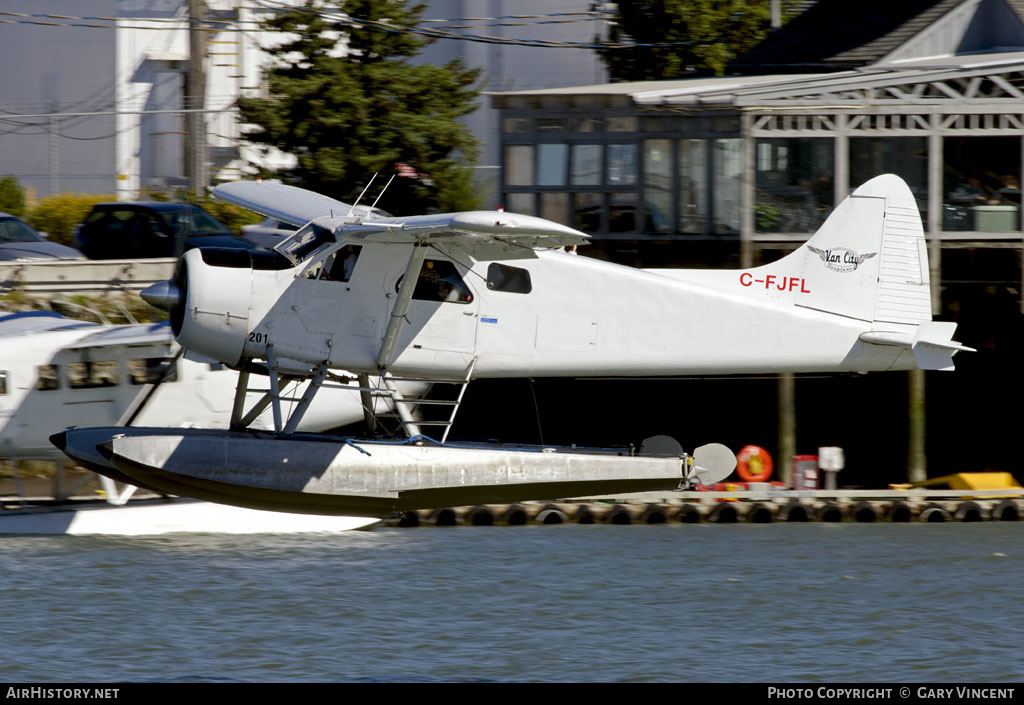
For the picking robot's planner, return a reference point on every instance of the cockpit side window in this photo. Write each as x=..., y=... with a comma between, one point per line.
x=440, y=281
x=305, y=242
x=3, y=382
x=501, y=277
x=340, y=266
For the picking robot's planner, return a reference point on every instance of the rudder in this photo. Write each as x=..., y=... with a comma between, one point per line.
x=869, y=260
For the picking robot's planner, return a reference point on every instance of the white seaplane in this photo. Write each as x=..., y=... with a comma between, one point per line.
x=496, y=295
x=57, y=372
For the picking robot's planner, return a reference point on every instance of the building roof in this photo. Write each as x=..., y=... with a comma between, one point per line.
x=833, y=35
x=998, y=76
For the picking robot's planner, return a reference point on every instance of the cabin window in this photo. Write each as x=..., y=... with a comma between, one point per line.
x=151, y=370
x=340, y=266
x=87, y=375
x=3, y=382
x=305, y=242
x=501, y=277
x=47, y=377
x=440, y=281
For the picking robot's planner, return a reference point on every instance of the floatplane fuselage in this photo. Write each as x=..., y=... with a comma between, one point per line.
x=496, y=295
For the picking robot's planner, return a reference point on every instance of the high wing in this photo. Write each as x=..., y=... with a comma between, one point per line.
x=133, y=335
x=487, y=235
x=287, y=203
x=470, y=228
x=14, y=325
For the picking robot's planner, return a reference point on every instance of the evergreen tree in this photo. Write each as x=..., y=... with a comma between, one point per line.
x=12, y=196
x=705, y=34
x=345, y=100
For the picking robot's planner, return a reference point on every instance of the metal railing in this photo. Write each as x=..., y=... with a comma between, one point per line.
x=86, y=277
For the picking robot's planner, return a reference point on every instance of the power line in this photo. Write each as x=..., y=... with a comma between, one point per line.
x=225, y=25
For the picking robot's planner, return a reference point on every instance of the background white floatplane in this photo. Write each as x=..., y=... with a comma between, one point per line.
x=58, y=372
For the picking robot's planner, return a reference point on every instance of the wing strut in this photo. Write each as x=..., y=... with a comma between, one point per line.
x=401, y=307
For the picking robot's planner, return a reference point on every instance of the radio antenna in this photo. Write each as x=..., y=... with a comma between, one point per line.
x=350, y=210
x=370, y=214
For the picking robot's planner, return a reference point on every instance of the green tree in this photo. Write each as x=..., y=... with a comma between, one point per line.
x=704, y=36
x=12, y=196
x=345, y=115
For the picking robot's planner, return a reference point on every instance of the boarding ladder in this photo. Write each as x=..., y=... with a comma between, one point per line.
x=445, y=409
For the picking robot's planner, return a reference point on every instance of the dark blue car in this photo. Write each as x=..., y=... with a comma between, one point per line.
x=19, y=241
x=143, y=230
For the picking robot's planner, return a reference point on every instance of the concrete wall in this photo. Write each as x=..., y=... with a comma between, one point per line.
x=50, y=69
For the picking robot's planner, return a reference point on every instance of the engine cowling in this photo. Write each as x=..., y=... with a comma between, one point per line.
x=210, y=299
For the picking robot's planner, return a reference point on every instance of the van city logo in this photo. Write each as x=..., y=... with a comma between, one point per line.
x=841, y=259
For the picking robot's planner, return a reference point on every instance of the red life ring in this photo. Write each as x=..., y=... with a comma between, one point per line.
x=754, y=464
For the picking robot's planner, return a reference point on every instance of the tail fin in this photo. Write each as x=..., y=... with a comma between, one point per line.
x=869, y=260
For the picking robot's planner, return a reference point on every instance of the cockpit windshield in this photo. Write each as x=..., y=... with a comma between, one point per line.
x=299, y=246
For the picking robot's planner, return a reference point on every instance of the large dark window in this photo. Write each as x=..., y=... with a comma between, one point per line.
x=340, y=266
x=552, y=163
x=519, y=165
x=501, y=277
x=586, y=164
x=693, y=179
x=727, y=174
x=47, y=377
x=907, y=157
x=795, y=184
x=101, y=373
x=981, y=184
x=658, y=186
x=152, y=370
x=439, y=281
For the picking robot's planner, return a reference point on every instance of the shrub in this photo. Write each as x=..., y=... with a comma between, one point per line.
x=59, y=214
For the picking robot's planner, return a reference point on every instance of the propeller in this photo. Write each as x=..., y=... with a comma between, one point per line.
x=711, y=463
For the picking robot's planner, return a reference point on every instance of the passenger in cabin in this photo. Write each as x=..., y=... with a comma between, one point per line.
x=1009, y=192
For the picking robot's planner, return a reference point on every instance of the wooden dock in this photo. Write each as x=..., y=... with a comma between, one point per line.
x=757, y=507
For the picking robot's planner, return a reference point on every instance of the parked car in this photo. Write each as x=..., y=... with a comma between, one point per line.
x=19, y=241
x=143, y=229
x=268, y=232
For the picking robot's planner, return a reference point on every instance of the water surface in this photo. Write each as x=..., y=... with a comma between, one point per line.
x=777, y=603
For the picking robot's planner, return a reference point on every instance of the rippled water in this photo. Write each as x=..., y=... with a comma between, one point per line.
x=812, y=602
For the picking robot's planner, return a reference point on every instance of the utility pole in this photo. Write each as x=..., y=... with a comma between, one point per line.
x=787, y=426
x=195, y=100
x=54, y=150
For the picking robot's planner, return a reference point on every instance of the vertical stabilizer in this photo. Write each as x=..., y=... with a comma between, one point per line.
x=868, y=260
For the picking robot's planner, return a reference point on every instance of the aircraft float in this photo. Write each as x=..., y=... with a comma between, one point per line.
x=449, y=298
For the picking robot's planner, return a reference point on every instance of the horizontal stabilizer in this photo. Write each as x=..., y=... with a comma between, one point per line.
x=934, y=346
x=287, y=203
